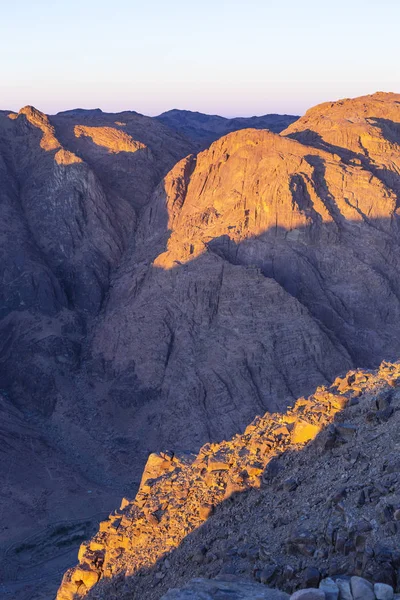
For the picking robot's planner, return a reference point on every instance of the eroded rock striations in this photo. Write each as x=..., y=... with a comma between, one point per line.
x=299, y=496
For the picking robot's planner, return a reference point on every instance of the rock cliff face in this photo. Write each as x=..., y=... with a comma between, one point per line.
x=154, y=298
x=204, y=129
x=247, y=285
x=297, y=496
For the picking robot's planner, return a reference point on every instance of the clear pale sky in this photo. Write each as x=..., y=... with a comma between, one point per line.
x=217, y=56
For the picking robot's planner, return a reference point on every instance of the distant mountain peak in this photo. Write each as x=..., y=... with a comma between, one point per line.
x=81, y=111
x=203, y=129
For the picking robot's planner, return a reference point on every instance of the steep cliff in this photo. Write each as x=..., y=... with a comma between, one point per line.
x=64, y=228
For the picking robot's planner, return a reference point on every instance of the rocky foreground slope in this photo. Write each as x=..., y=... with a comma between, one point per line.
x=298, y=496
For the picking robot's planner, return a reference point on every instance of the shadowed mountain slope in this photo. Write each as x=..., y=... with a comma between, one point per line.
x=69, y=210
x=204, y=129
x=66, y=225
x=129, y=152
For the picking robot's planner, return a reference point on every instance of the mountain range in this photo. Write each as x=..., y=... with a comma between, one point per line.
x=204, y=129
x=159, y=292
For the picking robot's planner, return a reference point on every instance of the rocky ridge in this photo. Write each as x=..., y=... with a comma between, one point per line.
x=299, y=496
x=204, y=129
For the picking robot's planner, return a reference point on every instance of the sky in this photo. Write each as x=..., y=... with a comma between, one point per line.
x=234, y=58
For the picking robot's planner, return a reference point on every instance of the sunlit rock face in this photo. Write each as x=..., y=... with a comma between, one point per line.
x=115, y=140
x=365, y=128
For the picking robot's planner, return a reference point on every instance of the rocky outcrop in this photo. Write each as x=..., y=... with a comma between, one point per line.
x=204, y=129
x=297, y=497
x=115, y=140
x=41, y=121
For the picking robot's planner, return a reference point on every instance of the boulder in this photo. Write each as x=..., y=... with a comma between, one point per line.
x=361, y=589
x=217, y=589
x=383, y=591
x=308, y=594
x=344, y=589
x=330, y=589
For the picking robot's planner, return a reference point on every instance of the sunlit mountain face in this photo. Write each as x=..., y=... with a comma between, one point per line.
x=159, y=291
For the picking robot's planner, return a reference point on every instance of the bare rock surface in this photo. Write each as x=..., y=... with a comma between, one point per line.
x=130, y=153
x=246, y=286
x=64, y=229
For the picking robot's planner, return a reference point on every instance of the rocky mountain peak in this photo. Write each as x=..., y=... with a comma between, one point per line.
x=115, y=140
x=365, y=128
x=41, y=121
